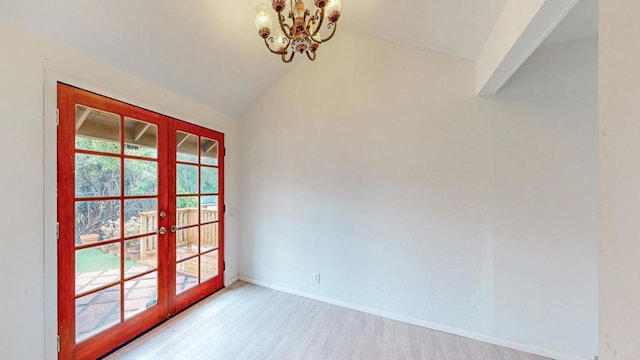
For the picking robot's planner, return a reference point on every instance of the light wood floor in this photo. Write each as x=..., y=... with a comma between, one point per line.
x=251, y=322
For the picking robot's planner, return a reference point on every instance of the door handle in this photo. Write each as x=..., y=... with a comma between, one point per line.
x=162, y=230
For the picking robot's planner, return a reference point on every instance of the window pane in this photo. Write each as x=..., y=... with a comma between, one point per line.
x=187, y=147
x=208, y=237
x=186, y=275
x=187, y=211
x=97, y=220
x=140, y=294
x=209, y=209
x=187, y=179
x=141, y=216
x=97, y=130
x=95, y=268
x=140, y=138
x=97, y=312
x=209, y=181
x=186, y=242
x=140, y=177
x=141, y=255
x=209, y=153
x=97, y=176
x=209, y=266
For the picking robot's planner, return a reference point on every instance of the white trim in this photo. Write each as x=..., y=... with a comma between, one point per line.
x=232, y=281
x=50, y=214
x=532, y=349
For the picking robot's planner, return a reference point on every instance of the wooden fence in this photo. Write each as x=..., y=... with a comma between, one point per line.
x=184, y=237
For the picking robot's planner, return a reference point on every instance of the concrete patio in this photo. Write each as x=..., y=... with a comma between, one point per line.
x=98, y=311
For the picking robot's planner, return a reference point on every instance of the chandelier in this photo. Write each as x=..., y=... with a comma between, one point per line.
x=302, y=33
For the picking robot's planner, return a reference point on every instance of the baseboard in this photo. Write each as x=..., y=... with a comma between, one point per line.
x=231, y=281
x=422, y=323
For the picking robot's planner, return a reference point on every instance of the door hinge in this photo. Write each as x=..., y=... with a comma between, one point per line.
x=225, y=151
x=57, y=231
x=57, y=117
x=224, y=208
x=224, y=265
x=58, y=340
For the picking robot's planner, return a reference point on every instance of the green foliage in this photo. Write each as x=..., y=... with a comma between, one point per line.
x=111, y=230
x=187, y=177
x=99, y=176
x=187, y=202
x=209, y=180
x=140, y=177
x=90, y=260
x=141, y=151
x=97, y=145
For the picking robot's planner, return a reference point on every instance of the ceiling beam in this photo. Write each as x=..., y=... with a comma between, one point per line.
x=83, y=117
x=522, y=26
x=182, y=137
x=211, y=144
x=139, y=130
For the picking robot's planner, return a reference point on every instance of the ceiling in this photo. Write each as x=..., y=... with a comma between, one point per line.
x=209, y=50
x=455, y=27
x=582, y=22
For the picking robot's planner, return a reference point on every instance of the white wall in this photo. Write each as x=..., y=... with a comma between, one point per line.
x=377, y=167
x=545, y=209
x=619, y=179
x=28, y=259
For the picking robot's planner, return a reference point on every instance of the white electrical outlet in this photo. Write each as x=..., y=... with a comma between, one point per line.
x=316, y=278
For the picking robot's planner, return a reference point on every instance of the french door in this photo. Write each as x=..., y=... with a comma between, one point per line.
x=140, y=217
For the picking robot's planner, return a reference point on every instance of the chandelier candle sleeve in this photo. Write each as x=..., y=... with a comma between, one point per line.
x=298, y=29
x=263, y=21
x=333, y=10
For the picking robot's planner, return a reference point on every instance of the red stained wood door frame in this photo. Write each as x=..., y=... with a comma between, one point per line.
x=168, y=302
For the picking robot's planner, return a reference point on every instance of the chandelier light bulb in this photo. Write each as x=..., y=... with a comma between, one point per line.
x=332, y=10
x=263, y=20
x=334, y=5
x=281, y=41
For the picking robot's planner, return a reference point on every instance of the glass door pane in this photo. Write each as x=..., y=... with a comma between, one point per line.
x=112, y=276
x=116, y=241
x=197, y=196
x=187, y=239
x=98, y=210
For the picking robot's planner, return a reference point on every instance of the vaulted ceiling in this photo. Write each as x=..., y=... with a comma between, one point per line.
x=208, y=50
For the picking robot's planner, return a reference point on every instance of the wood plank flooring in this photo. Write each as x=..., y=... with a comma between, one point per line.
x=246, y=321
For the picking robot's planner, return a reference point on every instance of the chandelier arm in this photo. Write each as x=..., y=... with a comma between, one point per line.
x=315, y=32
x=284, y=27
x=312, y=58
x=277, y=52
x=284, y=57
x=329, y=26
